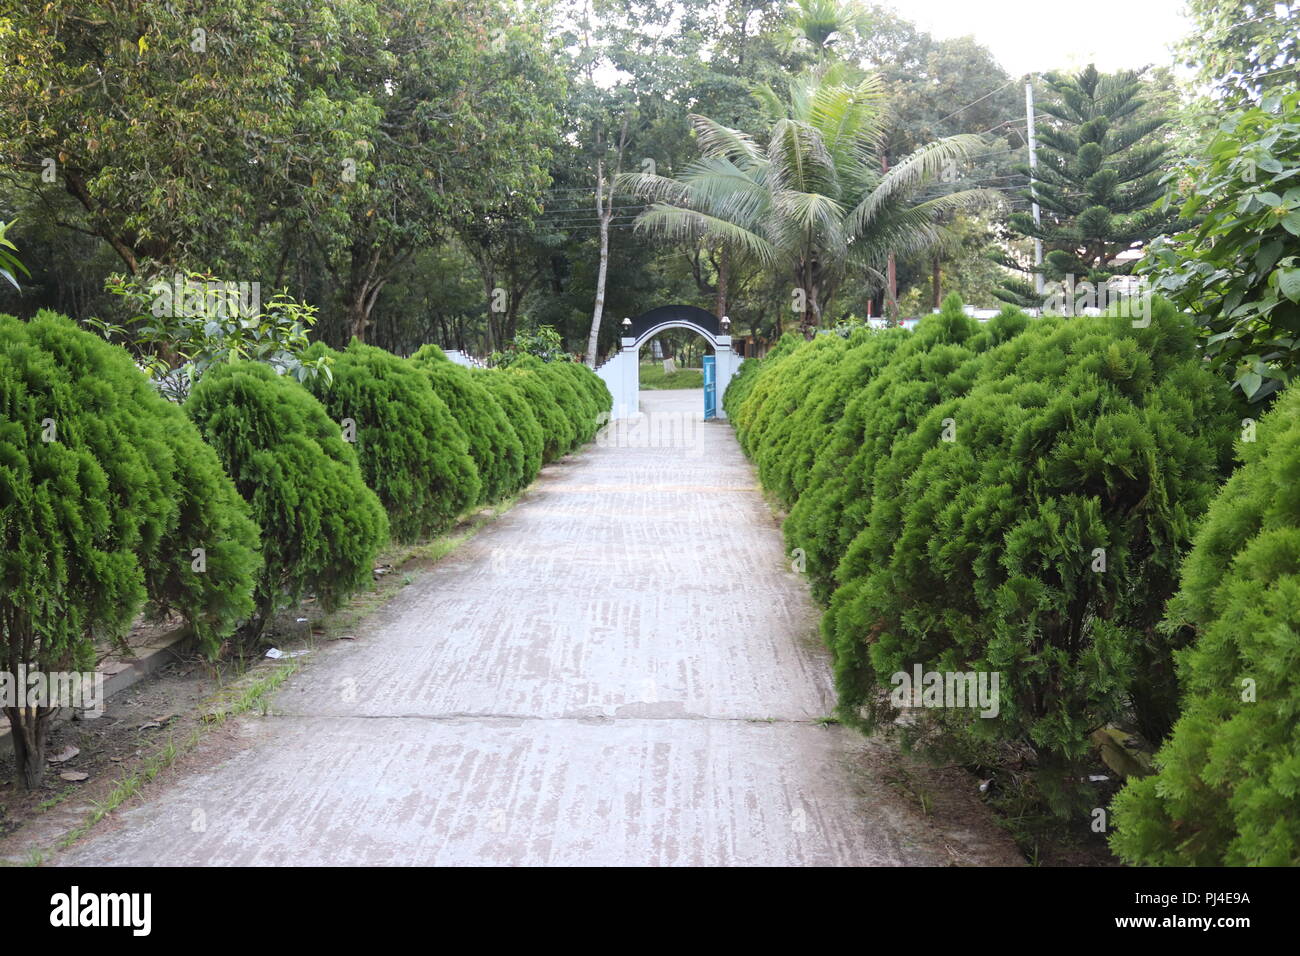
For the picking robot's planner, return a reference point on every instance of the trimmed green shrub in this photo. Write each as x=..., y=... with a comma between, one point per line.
x=512, y=397
x=1228, y=778
x=493, y=444
x=558, y=430
x=321, y=525
x=785, y=405
x=412, y=453
x=210, y=528
x=592, y=383
x=805, y=438
x=749, y=395
x=739, y=386
x=935, y=363
x=106, y=489
x=574, y=401
x=1033, y=528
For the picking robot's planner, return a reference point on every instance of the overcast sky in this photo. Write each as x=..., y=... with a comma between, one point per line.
x=1034, y=35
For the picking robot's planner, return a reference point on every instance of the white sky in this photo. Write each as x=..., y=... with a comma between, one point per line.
x=1035, y=35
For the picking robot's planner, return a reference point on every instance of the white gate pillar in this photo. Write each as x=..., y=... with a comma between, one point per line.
x=626, y=404
x=725, y=364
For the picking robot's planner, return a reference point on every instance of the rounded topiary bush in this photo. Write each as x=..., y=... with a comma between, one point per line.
x=751, y=394
x=558, y=431
x=1036, y=534
x=513, y=400
x=574, y=399
x=739, y=386
x=589, y=383
x=576, y=405
x=788, y=411
x=936, y=362
x=1226, y=788
x=108, y=497
x=412, y=453
x=807, y=437
x=321, y=525
x=493, y=444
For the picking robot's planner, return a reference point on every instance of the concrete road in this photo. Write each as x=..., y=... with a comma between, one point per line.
x=621, y=670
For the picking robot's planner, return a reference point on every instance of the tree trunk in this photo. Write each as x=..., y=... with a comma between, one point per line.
x=720, y=301
x=358, y=317
x=936, y=288
x=891, y=293
x=363, y=290
x=599, y=309
x=605, y=209
x=31, y=727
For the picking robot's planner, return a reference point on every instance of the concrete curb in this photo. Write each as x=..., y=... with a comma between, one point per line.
x=121, y=673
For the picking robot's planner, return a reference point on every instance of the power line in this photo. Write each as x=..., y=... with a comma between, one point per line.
x=981, y=99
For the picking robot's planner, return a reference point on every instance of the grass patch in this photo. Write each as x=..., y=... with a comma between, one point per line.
x=653, y=377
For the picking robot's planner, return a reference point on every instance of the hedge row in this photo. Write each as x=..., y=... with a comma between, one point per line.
x=1227, y=787
x=1012, y=497
x=108, y=498
x=111, y=497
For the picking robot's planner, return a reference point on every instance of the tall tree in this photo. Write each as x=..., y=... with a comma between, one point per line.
x=169, y=129
x=1243, y=49
x=1098, y=179
x=813, y=202
x=465, y=96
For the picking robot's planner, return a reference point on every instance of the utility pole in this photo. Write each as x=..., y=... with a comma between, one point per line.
x=891, y=269
x=1033, y=192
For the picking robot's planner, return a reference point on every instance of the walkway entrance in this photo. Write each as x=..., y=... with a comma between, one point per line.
x=621, y=372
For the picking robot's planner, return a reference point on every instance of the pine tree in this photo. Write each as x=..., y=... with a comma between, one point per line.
x=1098, y=175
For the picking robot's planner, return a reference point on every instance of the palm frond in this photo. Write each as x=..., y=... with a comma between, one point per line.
x=718, y=140
x=922, y=166
x=674, y=222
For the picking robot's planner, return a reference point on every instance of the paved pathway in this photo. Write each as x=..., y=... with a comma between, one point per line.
x=621, y=670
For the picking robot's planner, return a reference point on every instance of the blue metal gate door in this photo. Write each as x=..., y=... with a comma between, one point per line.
x=710, y=387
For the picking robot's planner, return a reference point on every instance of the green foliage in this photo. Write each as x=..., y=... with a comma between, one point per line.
x=209, y=513
x=577, y=390
x=1033, y=527
x=1225, y=791
x=1098, y=175
x=812, y=203
x=413, y=454
x=180, y=328
x=1241, y=49
x=105, y=490
x=336, y=138
x=653, y=377
x=592, y=386
x=10, y=264
x=513, y=399
x=321, y=525
x=750, y=387
x=558, y=430
x=542, y=342
x=949, y=488
x=903, y=378
x=493, y=443
x=1238, y=271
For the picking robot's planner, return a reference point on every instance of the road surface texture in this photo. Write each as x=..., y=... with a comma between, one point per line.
x=623, y=669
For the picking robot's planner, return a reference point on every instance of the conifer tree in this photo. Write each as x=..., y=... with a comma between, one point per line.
x=1098, y=179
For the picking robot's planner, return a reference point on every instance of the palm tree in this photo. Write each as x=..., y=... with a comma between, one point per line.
x=817, y=25
x=816, y=200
